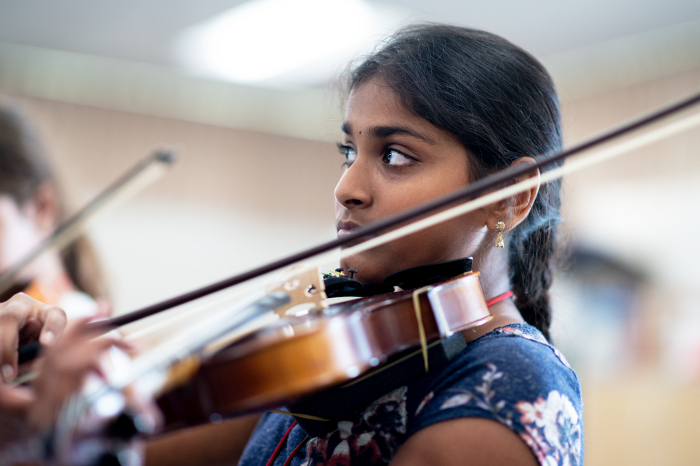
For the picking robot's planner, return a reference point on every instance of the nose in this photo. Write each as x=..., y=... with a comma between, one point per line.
x=354, y=187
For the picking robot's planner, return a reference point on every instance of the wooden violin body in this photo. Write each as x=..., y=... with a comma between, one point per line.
x=301, y=355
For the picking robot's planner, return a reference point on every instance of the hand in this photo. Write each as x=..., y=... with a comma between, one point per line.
x=75, y=354
x=23, y=320
x=78, y=353
x=81, y=352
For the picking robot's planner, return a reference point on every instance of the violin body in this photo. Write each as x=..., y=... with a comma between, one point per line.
x=298, y=356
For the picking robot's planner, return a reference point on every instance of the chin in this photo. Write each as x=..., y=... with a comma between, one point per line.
x=369, y=272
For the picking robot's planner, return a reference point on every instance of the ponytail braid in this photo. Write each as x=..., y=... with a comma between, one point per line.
x=531, y=252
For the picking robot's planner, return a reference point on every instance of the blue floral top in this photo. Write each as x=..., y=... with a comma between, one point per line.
x=510, y=375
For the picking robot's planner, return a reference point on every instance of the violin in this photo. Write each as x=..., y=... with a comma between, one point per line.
x=283, y=363
x=297, y=356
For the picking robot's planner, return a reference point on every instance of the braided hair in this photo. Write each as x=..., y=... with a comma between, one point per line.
x=500, y=103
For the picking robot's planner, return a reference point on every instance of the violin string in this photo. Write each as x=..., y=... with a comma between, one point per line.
x=179, y=345
x=183, y=315
x=573, y=165
x=153, y=331
x=186, y=342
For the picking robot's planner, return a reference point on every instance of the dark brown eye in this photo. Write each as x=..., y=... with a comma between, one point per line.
x=394, y=157
x=348, y=152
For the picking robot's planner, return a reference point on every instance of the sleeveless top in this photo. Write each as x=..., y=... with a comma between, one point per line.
x=511, y=375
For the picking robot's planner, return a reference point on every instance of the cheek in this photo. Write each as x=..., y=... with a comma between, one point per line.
x=422, y=188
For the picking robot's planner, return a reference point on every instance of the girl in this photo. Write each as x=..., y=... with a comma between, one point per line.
x=435, y=108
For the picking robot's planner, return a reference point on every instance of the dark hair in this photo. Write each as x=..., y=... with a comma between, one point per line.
x=501, y=104
x=23, y=169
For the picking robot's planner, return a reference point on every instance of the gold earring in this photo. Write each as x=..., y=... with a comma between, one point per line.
x=500, y=226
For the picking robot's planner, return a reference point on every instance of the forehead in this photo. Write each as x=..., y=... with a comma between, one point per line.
x=375, y=103
x=375, y=97
x=375, y=110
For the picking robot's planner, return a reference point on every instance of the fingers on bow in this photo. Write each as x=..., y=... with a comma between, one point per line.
x=33, y=320
x=62, y=372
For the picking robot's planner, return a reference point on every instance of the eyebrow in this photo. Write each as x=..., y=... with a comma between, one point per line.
x=386, y=131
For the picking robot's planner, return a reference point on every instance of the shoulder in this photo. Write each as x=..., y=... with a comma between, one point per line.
x=514, y=377
x=448, y=443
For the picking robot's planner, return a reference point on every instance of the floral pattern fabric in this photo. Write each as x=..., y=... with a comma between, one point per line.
x=552, y=429
x=372, y=440
x=510, y=375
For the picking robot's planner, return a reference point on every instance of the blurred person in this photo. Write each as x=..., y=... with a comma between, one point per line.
x=435, y=108
x=31, y=207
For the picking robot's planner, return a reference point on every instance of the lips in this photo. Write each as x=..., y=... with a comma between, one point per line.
x=346, y=227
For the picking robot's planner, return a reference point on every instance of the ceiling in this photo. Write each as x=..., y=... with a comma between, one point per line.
x=144, y=30
x=120, y=55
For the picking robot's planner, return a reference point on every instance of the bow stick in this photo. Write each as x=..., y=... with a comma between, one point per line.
x=366, y=235
x=468, y=192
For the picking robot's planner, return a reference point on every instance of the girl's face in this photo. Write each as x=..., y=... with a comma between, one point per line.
x=396, y=160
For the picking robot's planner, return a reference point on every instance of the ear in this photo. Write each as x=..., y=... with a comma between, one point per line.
x=46, y=207
x=514, y=209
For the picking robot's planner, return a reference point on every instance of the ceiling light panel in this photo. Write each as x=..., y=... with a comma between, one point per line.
x=262, y=40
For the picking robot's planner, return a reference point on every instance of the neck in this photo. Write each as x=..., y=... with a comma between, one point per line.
x=493, y=264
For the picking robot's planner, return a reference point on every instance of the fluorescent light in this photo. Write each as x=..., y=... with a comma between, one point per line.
x=261, y=39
